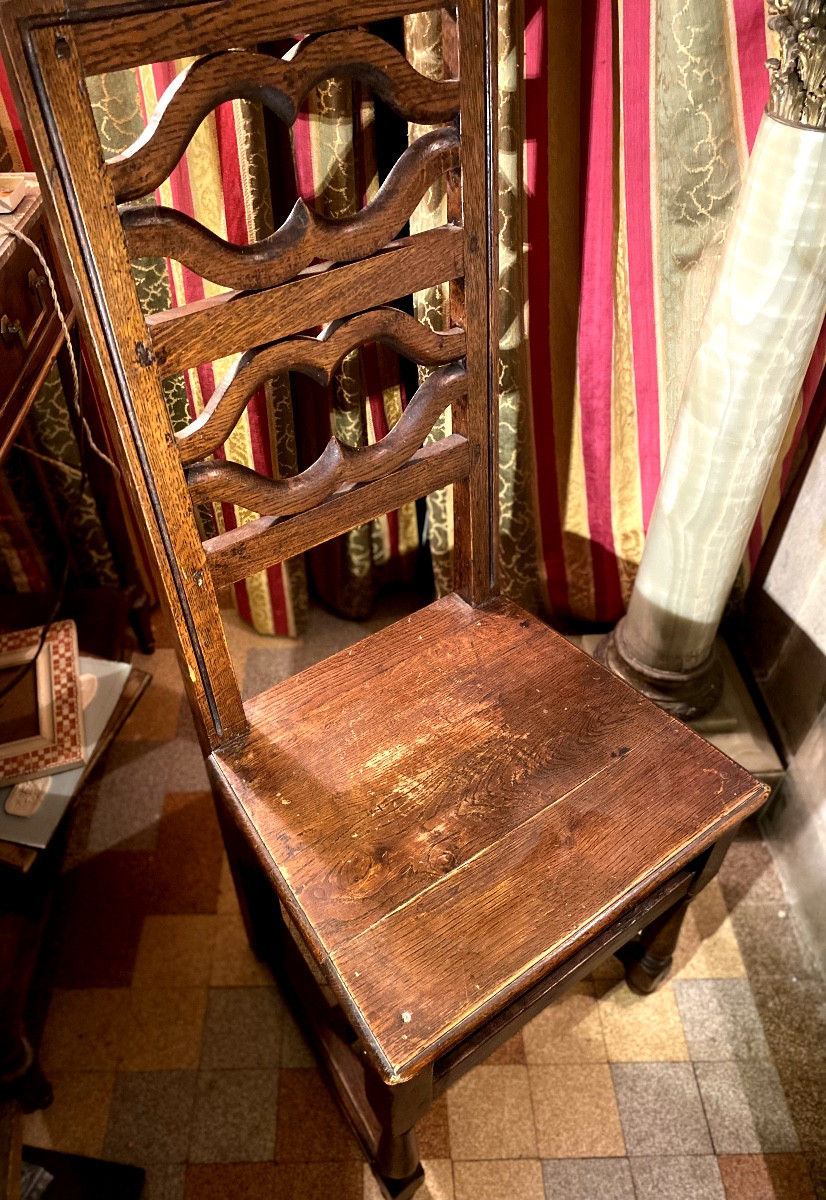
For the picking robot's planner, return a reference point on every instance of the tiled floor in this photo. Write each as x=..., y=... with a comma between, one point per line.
x=169, y=1047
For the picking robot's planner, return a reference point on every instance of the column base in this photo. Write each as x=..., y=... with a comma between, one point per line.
x=684, y=694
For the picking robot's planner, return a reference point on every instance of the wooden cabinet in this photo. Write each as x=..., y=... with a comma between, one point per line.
x=30, y=333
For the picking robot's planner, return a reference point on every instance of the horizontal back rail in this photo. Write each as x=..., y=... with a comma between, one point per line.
x=181, y=30
x=230, y=323
x=261, y=543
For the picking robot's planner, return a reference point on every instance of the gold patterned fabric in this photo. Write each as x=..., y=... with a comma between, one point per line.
x=429, y=37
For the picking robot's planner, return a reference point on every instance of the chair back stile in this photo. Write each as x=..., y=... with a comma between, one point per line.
x=346, y=276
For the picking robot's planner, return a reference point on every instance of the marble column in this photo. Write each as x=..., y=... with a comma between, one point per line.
x=755, y=345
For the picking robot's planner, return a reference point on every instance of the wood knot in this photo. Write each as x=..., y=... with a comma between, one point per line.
x=441, y=859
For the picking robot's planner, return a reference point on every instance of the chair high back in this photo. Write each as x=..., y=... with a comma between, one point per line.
x=313, y=271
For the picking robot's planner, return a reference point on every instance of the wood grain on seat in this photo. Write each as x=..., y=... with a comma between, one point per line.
x=459, y=801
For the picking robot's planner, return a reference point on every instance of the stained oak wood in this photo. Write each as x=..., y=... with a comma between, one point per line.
x=475, y=502
x=447, y=832
x=231, y=323
x=158, y=231
x=317, y=357
x=280, y=85
x=206, y=27
x=339, y=465
x=261, y=543
x=79, y=197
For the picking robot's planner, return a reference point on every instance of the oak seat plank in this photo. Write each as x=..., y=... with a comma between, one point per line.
x=442, y=831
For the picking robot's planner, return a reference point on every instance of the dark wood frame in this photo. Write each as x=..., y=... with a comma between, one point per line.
x=50, y=45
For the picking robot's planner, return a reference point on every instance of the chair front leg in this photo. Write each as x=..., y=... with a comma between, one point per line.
x=398, y=1107
x=648, y=961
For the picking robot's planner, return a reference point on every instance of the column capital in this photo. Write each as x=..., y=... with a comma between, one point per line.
x=797, y=79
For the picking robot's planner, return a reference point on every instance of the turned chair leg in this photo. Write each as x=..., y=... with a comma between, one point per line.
x=648, y=961
x=653, y=955
x=398, y=1107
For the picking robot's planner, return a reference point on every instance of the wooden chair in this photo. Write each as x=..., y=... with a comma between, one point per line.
x=435, y=832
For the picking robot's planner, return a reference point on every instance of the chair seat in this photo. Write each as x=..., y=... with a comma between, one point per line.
x=452, y=806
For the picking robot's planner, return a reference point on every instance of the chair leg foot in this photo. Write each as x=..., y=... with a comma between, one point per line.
x=648, y=961
x=399, y=1189
x=646, y=973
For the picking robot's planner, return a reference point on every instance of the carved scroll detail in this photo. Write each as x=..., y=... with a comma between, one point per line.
x=281, y=85
x=164, y=233
x=316, y=357
x=338, y=465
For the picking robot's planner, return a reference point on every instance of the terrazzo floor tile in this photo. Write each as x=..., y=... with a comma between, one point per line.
x=568, y=1031
x=317, y=1181
x=708, y=947
x=674, y=1178
x=243, y=1028
x=433, y=1131
x=575, y=1110
x=438, y=1182
x=84, y=1029
x=175, y=951
x=766, y=1177
x=164, y=1181
x=149, y=1117
x=501, y=1180
x=641, y=1028
x=609, y=968
x=588, y=1179
x=227, y=902
x=138, y=776
x=745, y=1107
x=97, y=940
x=229, y=1181
x=77, y=1120
x=806, y=1099
x=310, y=1126
x=793, y=1016
x=234, y=1117
x=295, y=1050
x=768, y=941
x=720, y=1019
x=187, y=860
x=162, y=1029
x=748, y=875
x=510, y=1054
x=157, y=714
x=233, y=963
x=660, y=1109
x=490, y=1114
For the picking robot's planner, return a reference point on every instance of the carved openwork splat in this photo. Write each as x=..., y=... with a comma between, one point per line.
x=339, y=464
x=316, y=357
x=305, y=235
x=282, y=84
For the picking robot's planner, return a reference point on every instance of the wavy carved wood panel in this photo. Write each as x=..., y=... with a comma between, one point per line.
x=339, y=465
x=280, y=84
x=317, y=357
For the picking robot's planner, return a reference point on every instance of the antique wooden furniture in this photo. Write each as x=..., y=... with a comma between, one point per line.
x=30, y=335
x=435, y=831
x=31, y=343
